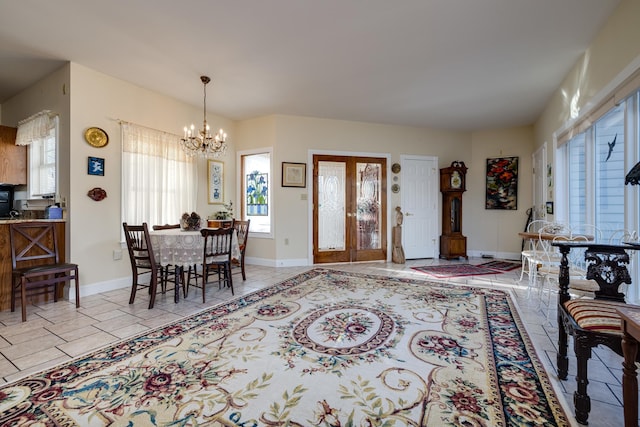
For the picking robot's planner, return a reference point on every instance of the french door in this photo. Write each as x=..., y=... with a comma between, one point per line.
x=349, y=209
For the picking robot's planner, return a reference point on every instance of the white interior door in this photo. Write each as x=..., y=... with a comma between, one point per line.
x=420, y=197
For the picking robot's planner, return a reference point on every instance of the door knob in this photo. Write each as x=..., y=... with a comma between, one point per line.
x=407, y=214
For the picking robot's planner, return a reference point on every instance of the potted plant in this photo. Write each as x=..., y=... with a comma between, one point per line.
x=226, y=214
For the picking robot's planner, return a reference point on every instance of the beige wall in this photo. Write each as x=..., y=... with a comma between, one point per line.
x=50, y=93
x=85, y=97
x=294, y=137
x=496, y=230
x=612, y=52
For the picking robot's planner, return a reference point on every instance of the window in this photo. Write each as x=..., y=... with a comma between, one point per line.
x=592, y=166
x=594, y=161
x=256, y=189
x=159, y=181
x=42, y=164
x=40, y=133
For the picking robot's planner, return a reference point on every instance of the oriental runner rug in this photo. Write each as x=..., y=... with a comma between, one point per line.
x=455, y=270
x=502, y=265
x=323, y=348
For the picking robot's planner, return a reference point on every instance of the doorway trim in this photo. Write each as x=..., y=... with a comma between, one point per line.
x=310, y=155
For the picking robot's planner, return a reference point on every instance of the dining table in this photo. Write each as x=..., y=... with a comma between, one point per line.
x=183, y=249
x=529, y=235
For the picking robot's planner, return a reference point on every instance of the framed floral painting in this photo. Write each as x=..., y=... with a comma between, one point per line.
x=502, y=183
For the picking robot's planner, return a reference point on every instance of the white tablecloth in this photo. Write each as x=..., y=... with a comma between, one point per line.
x=183, y=248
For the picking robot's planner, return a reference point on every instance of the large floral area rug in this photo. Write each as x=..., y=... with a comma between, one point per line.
x=324, y=348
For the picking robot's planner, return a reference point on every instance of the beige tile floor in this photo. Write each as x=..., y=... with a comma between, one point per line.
x=57, y=332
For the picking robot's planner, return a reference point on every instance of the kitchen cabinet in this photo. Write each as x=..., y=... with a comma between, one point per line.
x=13, y=158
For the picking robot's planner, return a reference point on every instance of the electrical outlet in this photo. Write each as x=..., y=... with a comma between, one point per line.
x=117, y=254
x=303, y=196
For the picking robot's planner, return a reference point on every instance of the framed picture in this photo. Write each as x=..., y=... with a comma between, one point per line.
x=502, y=183
x=294, y=174
x=550, y=208
x=215, y=182
x=95, y=166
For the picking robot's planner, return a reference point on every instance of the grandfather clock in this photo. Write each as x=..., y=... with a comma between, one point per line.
x=452, y=184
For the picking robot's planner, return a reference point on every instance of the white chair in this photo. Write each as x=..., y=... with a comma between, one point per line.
x=579, y=285
x=531, y=248
x=545, y=254
x=588, y=231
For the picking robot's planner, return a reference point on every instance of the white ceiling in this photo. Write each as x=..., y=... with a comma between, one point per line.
x=447, y=64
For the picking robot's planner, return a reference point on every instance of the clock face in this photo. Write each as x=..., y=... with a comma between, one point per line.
x=456, y=180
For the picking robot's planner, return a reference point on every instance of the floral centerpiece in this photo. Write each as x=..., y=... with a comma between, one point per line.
x=190, y=222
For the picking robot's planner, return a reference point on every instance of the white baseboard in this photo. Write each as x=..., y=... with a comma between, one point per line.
x=100, y=287
x=496, y=255
x=300, y=262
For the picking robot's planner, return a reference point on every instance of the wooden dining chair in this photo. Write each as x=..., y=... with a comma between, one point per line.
x=216, y=257
x=591, y=322
x=242, y=229
x=143, y=262
x=36, y=265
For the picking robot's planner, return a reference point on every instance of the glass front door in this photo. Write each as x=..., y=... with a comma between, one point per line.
x=349, y=209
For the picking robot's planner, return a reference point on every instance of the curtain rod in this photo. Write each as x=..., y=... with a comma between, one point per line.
x=38, y=114
x=121, y=122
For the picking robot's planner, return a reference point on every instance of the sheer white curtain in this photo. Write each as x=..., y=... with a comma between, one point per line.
x=35, y=128
x=159, y=182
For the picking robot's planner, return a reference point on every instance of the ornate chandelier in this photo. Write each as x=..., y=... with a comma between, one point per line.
x=203, y=143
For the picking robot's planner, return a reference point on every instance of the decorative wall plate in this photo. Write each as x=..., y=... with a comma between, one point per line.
x=96, y=137
x=395, y=188
x=395, y=168
x=97, y=194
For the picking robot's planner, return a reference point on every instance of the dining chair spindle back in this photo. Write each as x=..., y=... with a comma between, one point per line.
x=142, y=260
x=216, y=256
x=242, y=228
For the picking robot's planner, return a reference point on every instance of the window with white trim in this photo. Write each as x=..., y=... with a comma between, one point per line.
x=592, y=166
x=256, y=191
x=42, y=164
